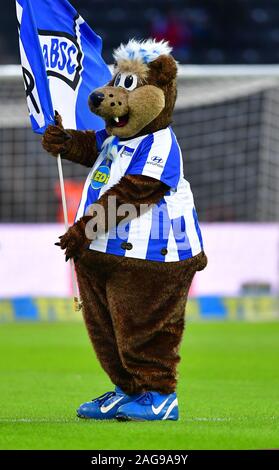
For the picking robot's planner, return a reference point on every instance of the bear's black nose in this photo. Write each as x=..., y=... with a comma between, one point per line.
x=96, y=99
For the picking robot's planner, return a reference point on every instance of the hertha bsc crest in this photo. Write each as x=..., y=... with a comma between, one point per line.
x=62, y=55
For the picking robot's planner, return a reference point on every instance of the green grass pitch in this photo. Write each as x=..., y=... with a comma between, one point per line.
x=228, y=390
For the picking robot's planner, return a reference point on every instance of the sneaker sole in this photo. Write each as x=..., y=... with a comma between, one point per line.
x=129, y=418
x=96, y=419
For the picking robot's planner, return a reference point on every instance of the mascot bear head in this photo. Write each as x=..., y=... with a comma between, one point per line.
x=140, y=97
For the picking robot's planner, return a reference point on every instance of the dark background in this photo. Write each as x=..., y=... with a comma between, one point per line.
x=201, y=31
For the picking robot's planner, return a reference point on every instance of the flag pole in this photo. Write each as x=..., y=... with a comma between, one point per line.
x=77, y=301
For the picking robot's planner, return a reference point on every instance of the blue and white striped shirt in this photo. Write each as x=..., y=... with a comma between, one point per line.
x=169, y=231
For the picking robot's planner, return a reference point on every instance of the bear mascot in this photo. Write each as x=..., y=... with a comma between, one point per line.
x=136, y=242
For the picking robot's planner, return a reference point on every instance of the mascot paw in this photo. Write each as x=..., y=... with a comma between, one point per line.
x=74, y=241
x=56, y=139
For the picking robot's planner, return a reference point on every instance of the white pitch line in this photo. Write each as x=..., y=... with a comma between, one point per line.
x=39, y=420
x=45, y=420
x=77, y=420
x=209, y=419
x=61, y=421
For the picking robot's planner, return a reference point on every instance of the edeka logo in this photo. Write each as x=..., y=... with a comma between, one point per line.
x=62, y=55
x=100, y=177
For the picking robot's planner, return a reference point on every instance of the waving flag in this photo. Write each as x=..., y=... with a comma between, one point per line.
x=61, y=63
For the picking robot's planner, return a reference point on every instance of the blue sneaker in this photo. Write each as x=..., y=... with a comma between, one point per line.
x=149, y=406
x=105, y=406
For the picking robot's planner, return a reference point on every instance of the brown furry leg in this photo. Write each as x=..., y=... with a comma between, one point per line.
x=147, y=304
x=92, y=284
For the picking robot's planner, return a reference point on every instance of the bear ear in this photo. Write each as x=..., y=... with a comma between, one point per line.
x=163, y=69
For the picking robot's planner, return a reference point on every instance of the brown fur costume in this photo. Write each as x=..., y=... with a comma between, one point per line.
x=136, y=333
x=133, y=308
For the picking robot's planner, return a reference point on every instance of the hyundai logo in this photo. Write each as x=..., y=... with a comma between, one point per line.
x=157, y=159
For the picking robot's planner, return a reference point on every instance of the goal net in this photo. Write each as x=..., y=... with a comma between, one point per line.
x=226, y=121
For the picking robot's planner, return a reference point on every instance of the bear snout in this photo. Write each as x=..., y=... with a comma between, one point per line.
x=108, y=102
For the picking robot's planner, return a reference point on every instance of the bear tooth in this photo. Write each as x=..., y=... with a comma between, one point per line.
x=116, y=119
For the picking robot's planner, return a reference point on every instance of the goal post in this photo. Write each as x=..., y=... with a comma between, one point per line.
x=227, y=123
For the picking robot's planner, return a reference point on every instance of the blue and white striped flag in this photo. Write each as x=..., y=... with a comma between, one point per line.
x=61, y=62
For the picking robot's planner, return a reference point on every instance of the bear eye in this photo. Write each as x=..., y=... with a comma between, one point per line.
x=125, y=80
x=117, y=79
x=130, y=82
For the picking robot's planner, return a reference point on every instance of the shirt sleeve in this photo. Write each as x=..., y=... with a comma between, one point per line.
x=100, y=138
x=158, y=156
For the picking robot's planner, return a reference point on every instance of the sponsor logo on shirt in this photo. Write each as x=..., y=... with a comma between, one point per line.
x=156, y=161
x=100, y=177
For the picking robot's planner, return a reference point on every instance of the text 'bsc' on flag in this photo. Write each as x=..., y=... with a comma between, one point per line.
x=61, y=62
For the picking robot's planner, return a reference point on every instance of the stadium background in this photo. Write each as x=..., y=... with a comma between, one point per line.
x=227, y=124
